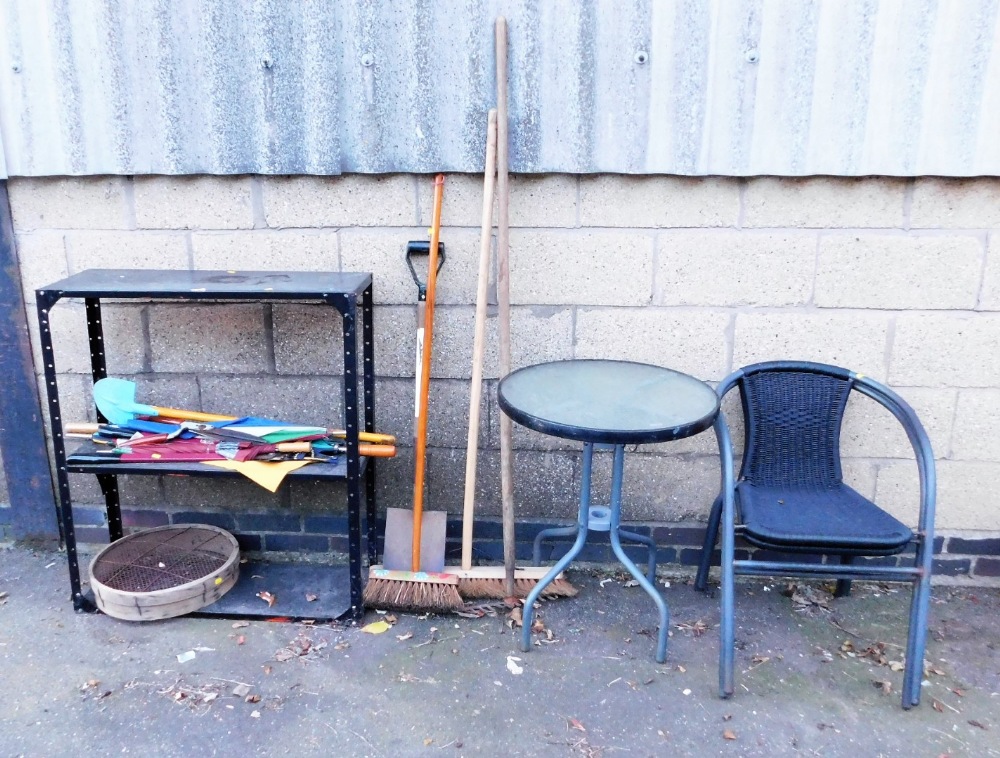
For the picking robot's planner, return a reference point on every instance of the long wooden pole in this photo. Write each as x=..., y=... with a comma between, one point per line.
x=503, y=303
x=479, y=342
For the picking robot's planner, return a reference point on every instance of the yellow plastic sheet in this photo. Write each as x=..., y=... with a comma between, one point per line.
x=268, y=474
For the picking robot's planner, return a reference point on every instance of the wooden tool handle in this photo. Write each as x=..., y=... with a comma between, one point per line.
x=80, y=428
x=377, y=451
x=425, y=375
x=503, y=306
x=373, y=437
x=190, y=415
x=293, y=447
x=478, y=345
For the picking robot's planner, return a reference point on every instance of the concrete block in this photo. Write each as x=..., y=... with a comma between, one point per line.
x=853, y=340
x=395, y=340
x=383, y=252
x=141, y=491
x=538, y=334
x=880, y=271
x=448, y=419
x=823, y=202
x=940, y=202
x=989, y=299
x=41, y=257
x=734, y=268
x=659, y=487
x=68, y=203
x=320, y=500
x=124, y=340
x=193, y=202
x=149, y=250
x=297, y=399
x=544, y=483
x=543, y=200
x=580, y=268
x=658, y=201
x=172, y=391
x=349, y=200
x=870, y=431
x=394, y=409
x=266, y=250
x=454, y=333
x=862, y=475
x=308, y=339
x=692, y=341
x=217, y=338
x=974, y=437
x=945, y=350
x=960, y=500
x=461, y=205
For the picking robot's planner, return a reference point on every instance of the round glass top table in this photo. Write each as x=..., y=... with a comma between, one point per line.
x=606, y=402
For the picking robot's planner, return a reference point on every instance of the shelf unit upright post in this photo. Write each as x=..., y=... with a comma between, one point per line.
x=341, y=291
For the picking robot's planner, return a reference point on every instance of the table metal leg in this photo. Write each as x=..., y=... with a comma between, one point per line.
x=616, y=545
x=581, y=538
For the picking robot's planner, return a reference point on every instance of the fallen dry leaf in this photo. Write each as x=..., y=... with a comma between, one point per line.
x=310, y=598
x=729, y=734
x=404, y=637
x=267, y=669
x=515, y=619
x=240, y=624
x=268, y=598
x=376, y=627
x=575, y=724
x=936, y=705
x=883, y=684
x=390, y=619
x=252, y=699
x=89, y=684
x=428, y=741
x=973, y=722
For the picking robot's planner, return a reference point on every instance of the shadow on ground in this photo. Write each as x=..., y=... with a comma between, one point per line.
x=810, y=680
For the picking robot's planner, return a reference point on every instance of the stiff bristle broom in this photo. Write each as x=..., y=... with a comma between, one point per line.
x=417, y=590
x=495, y=582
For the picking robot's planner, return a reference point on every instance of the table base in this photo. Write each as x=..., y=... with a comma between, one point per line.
x=585, y=524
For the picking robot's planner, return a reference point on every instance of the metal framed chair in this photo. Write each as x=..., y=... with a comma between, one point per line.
x=790, y=497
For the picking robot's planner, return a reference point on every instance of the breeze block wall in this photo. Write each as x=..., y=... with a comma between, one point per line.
x=895, y=278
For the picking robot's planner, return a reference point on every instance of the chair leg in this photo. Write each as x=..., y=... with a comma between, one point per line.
x=916, y=640
x=844, y=585
x=711, y=535
x=727, y=627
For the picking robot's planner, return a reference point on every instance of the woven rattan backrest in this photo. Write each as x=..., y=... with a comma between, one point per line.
x=793, y=421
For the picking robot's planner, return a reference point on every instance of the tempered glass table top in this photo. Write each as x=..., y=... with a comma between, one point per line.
x=608, y=401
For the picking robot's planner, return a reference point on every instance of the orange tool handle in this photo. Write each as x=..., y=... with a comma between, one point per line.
x=370, y=451
x=425, y=376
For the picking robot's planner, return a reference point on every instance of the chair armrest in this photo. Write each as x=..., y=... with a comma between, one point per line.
x=918, y=440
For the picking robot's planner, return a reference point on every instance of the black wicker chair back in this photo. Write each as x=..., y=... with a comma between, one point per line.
x=793, y=421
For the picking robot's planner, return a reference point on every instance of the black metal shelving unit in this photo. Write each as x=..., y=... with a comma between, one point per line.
x=338, y=588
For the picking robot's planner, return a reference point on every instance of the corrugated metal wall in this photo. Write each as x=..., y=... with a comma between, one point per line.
x=738, y=87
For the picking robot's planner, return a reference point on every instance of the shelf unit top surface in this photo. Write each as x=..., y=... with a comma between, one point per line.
x=209, y=284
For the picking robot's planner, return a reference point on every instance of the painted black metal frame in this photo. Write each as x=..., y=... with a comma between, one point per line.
x=341, y=291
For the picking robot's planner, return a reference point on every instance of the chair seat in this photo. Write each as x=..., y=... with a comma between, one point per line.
x=836, y=520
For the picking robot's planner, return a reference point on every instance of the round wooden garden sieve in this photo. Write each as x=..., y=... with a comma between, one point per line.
x=164, y=572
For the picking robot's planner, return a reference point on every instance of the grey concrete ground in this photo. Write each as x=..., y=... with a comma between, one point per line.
x=85, y=685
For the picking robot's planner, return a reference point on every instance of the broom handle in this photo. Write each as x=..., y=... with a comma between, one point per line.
x=503, y=303
x=425, y=375
x=478, y=345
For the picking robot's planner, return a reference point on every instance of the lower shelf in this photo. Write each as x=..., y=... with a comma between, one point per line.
x=290, y=584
